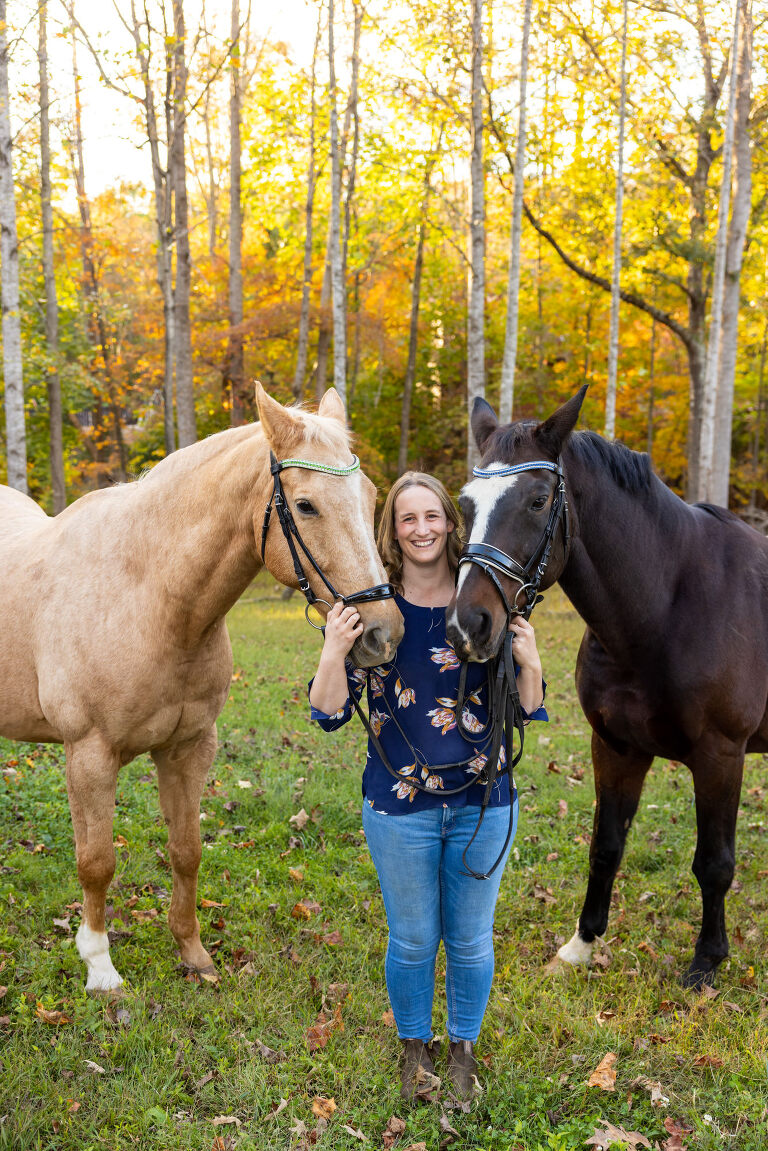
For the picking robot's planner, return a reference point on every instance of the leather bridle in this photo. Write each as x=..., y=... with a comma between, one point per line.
x=529, y=575
x=373, y=594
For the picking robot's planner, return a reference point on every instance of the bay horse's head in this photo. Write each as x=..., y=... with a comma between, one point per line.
x=330, y=501
x=508, y=514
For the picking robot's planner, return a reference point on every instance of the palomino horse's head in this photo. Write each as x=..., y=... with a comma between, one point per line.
x=510, y=512
x=333, y=514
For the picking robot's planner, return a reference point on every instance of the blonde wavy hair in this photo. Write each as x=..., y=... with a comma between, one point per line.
x=389, y=548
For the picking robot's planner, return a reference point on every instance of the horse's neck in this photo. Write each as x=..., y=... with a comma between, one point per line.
x=196, y=512
x=621, y=553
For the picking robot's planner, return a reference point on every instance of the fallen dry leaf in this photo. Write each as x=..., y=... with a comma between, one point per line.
x=96, y=1068
x=278, y=1107
x=268, y=1054
x=55, y=1018
x=300, y=911
x=226, y=1121
x=393, y=1130
x=323, y=1108
x=74, y=1106
x=654, y=1089
x=331, y=938
x=356, y=1134
x=646, y=947
x=337, y=992
x=63, y=925
x=319, y=1034
x=145, y=915
x=562, y=809
x=601, y=1140
x=211, y=903
x=299, y=820
x=296, y=875
x=388, y=1018
x=544, y=894
x=416, y=1147
x=707, y=1061
x=604, y=1075
x=450, y=1134
x=604, y=1017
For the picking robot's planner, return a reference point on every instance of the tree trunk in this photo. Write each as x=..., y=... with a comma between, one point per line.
x=613, y=338
x=509, y=361
x=185, y=396
x=96, y=321
x=737, y=231
x=338, y=293
x=53, y=383
x=352, y=111
x=15, y=430
x=712, y=373
x=651, y=391
x=235, y=373
x=306, y=281
x=476, y=310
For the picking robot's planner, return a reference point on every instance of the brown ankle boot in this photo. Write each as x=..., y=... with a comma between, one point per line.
x=418, y=1073
x=462, y=1069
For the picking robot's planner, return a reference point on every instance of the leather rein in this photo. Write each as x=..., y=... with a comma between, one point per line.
x=504, y=709
x=292, y=535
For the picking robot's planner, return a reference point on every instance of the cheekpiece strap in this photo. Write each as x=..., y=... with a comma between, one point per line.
x=513, y=469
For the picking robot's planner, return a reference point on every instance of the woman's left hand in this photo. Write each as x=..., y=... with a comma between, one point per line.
x=524, y=643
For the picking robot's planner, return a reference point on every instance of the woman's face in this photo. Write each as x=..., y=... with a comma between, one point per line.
x=421, y=525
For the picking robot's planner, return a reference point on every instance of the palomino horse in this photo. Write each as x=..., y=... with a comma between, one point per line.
x=112, y=633
x=674, y=659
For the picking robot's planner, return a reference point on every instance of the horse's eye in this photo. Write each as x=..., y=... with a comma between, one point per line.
x=539, y=503
x=306, y=508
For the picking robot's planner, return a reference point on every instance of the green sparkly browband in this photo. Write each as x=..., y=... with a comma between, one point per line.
x=328, y=468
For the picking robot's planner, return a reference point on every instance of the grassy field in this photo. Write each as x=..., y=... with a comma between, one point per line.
x=158, y=1068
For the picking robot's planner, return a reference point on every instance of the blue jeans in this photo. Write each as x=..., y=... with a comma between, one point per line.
x=429, y=897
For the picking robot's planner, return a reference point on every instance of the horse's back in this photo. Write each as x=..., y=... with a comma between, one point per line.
x=18, y=514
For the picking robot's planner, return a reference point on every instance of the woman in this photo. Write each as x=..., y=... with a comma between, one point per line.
x=417, y=838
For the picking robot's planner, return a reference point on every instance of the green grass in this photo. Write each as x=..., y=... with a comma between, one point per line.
x=177, y=1054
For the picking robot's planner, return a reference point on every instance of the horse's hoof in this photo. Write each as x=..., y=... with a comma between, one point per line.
x=107, y=994
x=207, y=974
x=558, y=966
x=696, y=980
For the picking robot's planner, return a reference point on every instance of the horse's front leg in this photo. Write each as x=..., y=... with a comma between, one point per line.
x=92, y=767
x=619, y=778
x=181, y=774
x=717, y=775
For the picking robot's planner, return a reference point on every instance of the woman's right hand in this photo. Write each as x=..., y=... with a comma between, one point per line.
x=342, y=627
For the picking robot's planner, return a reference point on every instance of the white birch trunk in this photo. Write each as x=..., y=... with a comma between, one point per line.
x=613, y=338
x=235, y=365
x=185, y=397
x=476, y=309
x=306, y=280
x=737, y=232
x=337, y=273
x=712, y=367
x=15, y=428
x=53, y=383
x=509, y=362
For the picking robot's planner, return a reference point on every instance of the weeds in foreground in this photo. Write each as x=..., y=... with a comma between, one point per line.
x=290, y=907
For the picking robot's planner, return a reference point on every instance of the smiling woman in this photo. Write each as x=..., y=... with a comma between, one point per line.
x=425, y=832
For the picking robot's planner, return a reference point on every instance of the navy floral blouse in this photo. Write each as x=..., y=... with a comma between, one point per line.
x=421, y=688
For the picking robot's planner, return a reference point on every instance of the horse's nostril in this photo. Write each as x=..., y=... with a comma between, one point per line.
x=480, y=623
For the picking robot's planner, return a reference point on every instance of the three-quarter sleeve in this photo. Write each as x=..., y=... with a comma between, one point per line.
x=356, y=678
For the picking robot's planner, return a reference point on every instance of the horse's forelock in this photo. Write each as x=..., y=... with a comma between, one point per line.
x=507, y=441
x=323, y=431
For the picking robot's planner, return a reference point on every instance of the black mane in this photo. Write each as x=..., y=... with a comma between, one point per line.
x=630, y=470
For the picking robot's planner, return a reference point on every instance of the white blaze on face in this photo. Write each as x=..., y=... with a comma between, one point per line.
x=485, y=494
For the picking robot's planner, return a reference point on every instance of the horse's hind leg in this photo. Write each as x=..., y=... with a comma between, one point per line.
x=181, y=773
x=92, y=768
x=717, y=786
x=619, y=778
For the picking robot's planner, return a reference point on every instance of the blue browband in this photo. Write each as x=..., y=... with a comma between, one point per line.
x=491, y=473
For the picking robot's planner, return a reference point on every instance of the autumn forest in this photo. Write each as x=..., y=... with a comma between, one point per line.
x=418, y=203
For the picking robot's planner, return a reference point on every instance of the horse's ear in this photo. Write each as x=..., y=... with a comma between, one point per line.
x=553, y=432
x=279, y=424
x=484, y=422
x=331, y=405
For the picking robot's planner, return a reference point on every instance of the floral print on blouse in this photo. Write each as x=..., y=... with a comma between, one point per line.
x=421, y=687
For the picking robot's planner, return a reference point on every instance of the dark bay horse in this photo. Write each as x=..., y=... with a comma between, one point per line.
x=674, y=659
x=113, y=638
